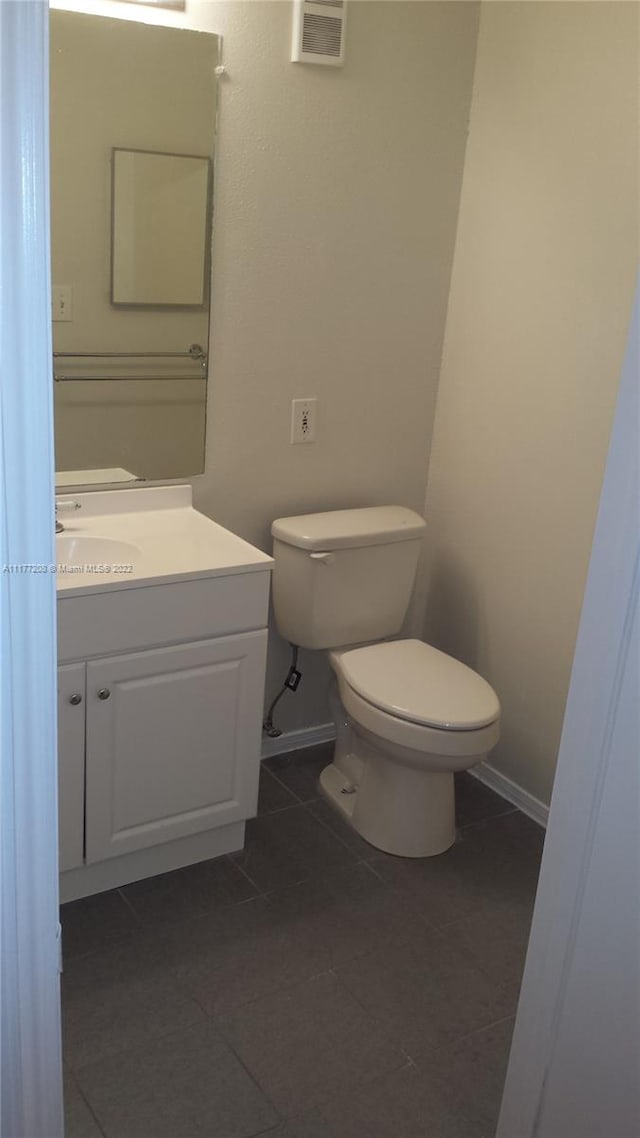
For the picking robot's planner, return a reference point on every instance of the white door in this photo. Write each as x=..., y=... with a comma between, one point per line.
x=575, y=1060
x=173, y=742
x=71, y=708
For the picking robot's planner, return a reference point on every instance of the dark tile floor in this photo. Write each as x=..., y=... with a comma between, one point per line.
x=308, y=986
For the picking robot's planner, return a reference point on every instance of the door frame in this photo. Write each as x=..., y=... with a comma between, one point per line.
x=30, y=1046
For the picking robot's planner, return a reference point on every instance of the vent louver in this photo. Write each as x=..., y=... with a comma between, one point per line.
x=318, y=34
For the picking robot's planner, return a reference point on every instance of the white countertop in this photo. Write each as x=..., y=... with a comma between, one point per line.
x=173, y=542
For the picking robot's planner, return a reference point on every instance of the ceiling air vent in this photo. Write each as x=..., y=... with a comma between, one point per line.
x=318, y=31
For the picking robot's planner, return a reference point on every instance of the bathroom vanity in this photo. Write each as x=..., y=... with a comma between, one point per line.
x=162, y=637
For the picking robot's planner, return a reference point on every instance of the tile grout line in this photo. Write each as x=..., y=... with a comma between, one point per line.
x=250, y=1075
x=489, y=818
x=144, y=1044
x=460, y=920
x=129, y=905
x=268, y=995
x=406, y=898
x=480, y=1030
x=279, y=810
x=317, y=1104
x=360, y=1084
x=328, y=829
x=148, y=1041
x=389, y=1038
x=153, y=927
x=86, y=1102
x=473, y=967
x=247, y=876
x=298, y=801
x=270, y=1130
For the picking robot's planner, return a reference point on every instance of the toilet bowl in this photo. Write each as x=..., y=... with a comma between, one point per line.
x=408, y=717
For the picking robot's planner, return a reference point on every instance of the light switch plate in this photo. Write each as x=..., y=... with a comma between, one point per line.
x=61, y=303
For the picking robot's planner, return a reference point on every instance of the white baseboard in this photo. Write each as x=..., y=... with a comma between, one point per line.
x=296, y=740
x=513, y=793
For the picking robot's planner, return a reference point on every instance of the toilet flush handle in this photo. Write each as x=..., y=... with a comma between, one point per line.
x=324, y=558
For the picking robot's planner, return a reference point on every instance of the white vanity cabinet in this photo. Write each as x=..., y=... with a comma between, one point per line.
x=157, y=745
x=162, y=666
x=171, y=742
x=158, y=750
x=161, y=688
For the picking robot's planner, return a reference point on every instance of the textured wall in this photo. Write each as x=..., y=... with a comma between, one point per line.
x=335, y=210
x=541, y=295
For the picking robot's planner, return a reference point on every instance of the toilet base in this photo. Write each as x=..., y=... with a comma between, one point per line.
x=398, y=807
x=408, y=813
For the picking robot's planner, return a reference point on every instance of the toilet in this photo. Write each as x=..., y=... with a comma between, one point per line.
x=407, y=716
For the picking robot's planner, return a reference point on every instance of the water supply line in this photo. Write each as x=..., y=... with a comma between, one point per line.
x=291, y=682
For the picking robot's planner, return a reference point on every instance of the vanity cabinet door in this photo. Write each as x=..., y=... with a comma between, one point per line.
x=71, y=711
x=173, y=742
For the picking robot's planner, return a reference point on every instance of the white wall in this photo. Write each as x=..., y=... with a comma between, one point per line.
x=336, y=201
x=540, y=300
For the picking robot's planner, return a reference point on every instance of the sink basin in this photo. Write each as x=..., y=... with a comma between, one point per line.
x=94, y=554
x=131, y=538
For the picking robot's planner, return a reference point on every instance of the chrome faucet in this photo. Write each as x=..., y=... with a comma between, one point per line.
x=65, y=504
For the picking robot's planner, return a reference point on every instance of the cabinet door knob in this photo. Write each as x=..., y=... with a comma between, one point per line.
x=104, y=693
x=75, y=699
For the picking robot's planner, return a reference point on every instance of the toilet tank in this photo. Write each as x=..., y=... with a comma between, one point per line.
x=345, y=576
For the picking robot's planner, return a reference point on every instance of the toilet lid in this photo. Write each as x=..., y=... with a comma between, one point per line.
x=414, y=681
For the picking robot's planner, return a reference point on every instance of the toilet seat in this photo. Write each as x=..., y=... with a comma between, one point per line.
x=417, y=684
x=418, y=737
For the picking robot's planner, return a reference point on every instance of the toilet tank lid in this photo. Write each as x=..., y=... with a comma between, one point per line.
x=340, y=529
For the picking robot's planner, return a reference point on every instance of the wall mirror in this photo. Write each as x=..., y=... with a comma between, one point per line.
x=133, y=110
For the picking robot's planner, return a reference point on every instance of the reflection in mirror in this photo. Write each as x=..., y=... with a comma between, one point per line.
x=130, y=365
x=159, y=238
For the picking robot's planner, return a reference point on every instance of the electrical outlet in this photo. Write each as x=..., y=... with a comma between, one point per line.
x=303, y=420
x=61, y=302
